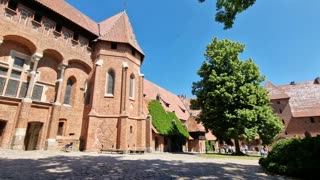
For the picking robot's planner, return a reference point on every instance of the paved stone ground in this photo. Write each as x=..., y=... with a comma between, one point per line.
x=162, y=166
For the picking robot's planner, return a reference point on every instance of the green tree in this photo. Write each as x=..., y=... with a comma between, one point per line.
x=233, y=103
x=227, y=10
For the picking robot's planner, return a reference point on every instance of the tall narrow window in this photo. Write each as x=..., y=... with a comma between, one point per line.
x=132, y=86
x=67, y=96
x=60, y=129
x=110, y=83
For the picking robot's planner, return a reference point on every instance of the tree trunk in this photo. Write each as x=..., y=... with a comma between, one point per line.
x=237, y=144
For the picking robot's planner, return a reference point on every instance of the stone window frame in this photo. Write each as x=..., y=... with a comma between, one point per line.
x=84, y=42
x=132, y=86
x=29, y=14
x=111, y=73
x=52, y=24
x=65, y=31
x=9, y=65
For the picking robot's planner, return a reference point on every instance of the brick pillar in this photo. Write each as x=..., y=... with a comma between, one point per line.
x=35, y=58
x=148, y=134
x=51, y=142
x=139, y=134
x=123, y=89
x=96, y=89
x=141, y=80
x=122, y=134
x=25, y=107
x=122, y=121
x=21, y=126
x=59, y=81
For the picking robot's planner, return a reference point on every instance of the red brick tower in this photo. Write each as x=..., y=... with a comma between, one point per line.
x=116, y=119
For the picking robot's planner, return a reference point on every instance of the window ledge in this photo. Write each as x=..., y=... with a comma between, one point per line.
x=109, y=95
x=131, y=98
x=67, y=105
x=11, y=10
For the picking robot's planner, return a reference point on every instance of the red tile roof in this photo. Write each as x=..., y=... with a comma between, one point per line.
x=194, y=126
x=118, y=29
x=152, y=90
x=304, y=98
x=63, y=8
x=274, y=92
x=210, y=136
x=187, y=103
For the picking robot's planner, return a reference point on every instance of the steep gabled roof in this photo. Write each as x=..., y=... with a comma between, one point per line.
x=118, y=29
x=275, y=92
x=63, y=8
x=151, y=91
x=304, y=97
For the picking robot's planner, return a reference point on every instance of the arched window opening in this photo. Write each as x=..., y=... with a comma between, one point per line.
x=132, y=86
x=110, y=82
x=67, y=96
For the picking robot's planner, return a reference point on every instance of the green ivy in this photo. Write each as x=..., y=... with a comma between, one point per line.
x=180, y=127
x=166, y=123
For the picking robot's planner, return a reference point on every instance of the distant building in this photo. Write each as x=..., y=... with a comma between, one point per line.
x=297, y=106
x=180, y=106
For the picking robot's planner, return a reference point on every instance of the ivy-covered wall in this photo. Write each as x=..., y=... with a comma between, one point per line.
x=166, y=123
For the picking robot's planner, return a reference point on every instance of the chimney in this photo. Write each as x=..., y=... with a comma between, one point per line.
x=317, y=80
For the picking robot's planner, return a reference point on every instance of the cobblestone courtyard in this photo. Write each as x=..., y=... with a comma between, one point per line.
x=79, y=165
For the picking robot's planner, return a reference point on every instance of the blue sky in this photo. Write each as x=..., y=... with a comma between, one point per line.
x=282, y=37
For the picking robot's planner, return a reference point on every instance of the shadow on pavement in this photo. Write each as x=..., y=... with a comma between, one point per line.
x=115, y=167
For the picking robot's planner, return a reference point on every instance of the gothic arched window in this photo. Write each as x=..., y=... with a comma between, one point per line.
x=132, y=86
x=110, y=82
x=67, y=96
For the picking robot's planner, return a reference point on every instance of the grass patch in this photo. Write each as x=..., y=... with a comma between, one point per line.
x=229, y=156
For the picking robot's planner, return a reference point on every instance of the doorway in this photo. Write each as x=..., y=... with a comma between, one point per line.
x=156, y=144
x=32, y=135
x=2, y=129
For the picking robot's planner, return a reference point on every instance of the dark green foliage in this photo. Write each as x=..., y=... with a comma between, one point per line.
x=166, y=123
x=294, y=157
x=227, y=10
x=234, y=105
x=210, y=146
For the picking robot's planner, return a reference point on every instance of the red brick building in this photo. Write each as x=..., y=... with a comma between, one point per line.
x=180, y=105
x=297, y=106
x=170, y=102
x=65, y=78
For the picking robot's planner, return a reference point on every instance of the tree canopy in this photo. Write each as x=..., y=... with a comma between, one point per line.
x=233, y=102
x=227, y=10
